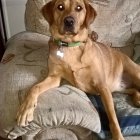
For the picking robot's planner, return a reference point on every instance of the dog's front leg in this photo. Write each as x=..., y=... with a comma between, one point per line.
x=25, y=113
x=106, y=97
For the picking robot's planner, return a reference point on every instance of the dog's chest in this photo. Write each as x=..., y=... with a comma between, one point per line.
x=79, y=76
x=67, y=57
x=80, y=68
x=76, y=66
x=75, y=69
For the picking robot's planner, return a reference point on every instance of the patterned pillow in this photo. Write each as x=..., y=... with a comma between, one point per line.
x=128, y=116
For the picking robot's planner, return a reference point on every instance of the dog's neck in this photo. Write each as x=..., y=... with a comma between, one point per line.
x=61, y=43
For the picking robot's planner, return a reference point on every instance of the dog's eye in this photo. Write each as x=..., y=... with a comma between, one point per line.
x=78, y=8
x=61, y=7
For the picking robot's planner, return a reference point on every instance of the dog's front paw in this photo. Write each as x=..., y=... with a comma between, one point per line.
x=25, y=113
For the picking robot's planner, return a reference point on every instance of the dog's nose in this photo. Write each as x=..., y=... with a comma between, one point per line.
x=69, y=21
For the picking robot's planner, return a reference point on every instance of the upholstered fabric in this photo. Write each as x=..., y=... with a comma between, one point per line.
x=62, y=113
x=24, y=64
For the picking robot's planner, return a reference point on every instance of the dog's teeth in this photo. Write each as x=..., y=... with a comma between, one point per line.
x=59, y=53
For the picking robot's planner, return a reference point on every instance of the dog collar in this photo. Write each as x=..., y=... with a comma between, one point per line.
x=66, y=44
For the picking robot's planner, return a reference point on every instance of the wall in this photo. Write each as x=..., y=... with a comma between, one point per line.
x=14, y=16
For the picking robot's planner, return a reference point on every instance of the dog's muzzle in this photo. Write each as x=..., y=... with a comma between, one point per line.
x=69, y=24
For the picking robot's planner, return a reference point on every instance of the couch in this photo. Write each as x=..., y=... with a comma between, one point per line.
x=66, y=113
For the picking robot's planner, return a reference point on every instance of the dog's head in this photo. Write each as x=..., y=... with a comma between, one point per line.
x=68, y=17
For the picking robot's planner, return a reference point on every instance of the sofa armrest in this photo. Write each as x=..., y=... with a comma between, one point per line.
x=65, y=109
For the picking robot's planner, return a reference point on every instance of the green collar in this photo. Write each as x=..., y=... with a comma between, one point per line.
x=66, y=44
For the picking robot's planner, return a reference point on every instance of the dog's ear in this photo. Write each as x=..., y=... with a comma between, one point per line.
x=90, y=14
x=47, y=12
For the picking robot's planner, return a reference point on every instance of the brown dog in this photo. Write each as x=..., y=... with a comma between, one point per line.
x=88, y=65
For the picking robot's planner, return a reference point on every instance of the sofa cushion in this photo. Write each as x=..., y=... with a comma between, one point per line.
x=34, y=21
x=117, y=21
x=64, y=109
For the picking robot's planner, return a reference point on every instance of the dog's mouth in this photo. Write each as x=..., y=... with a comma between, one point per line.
x=69, y=32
